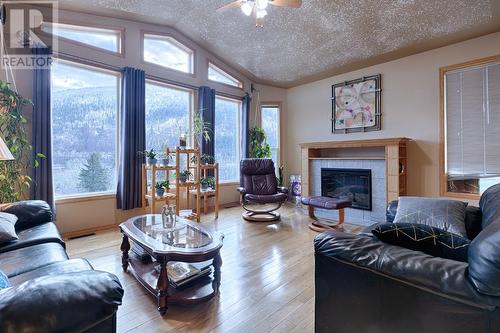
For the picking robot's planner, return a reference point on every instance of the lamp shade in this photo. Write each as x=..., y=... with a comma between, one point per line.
x=5, y=154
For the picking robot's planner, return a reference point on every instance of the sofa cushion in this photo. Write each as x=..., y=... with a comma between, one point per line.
x=445, y=214
x=56, y=268
x=29, y=212
x=4, y=281
x=7, y=228
x=26, y=259
x=484, y=252
x=421, y=237
x=43, y=233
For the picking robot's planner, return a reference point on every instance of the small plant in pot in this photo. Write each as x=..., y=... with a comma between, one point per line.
x=184, y=175
x=166, y=160
x=161, y=186
x=207, y=159
x=207, y=182
x=151, y=157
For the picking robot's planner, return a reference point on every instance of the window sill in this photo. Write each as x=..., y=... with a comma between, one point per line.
x=229, y=183
x=466, y=196
x=85, y=197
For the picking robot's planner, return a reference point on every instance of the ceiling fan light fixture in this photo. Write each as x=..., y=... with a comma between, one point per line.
x=261, y=13
x=247, y=8
x=262, y=4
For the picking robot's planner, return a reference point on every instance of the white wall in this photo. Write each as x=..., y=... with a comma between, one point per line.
x=410, y=108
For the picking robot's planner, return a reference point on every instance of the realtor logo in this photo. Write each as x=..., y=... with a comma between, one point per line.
x=24, y=44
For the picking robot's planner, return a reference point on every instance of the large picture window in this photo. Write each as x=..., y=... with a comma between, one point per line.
x=168, y=114
x=471, y=122
x=227, y=137
x=270, y=120
x=84, y=129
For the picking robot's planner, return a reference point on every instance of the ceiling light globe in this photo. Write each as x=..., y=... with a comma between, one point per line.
x=247, y=8
x=262, y=4
x=261, y=13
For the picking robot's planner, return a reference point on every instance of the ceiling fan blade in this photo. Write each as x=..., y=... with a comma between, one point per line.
x=286, y=3
x=234, y=4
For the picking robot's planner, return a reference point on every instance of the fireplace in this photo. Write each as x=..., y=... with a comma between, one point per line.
x=352, y=184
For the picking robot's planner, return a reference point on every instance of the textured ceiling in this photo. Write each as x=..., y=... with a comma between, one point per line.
x=321, y=38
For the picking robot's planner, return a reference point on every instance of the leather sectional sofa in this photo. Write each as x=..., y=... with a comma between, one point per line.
x=365, y=285
x=49, y=292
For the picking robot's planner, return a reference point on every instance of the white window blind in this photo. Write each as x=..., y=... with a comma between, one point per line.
x=473, y=122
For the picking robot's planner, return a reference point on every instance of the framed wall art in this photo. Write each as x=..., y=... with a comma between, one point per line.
x=356, y=105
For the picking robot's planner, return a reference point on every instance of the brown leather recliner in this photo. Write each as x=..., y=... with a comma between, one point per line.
x=258, y=185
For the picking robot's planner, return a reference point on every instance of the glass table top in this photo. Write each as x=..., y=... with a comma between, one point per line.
x=184, y=235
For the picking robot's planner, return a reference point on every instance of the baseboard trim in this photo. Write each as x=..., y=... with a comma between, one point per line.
x=83, y=232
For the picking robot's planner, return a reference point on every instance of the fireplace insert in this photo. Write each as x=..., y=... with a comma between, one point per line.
x=352, y=184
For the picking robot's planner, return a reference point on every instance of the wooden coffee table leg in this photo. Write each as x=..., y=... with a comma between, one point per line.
x=217, y=265
x=125, y=247
x=162, y=287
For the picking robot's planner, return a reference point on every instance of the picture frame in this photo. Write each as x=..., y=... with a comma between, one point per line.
x=356, y=105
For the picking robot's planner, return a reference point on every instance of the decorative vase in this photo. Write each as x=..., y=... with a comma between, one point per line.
x=182, y=141
x=204, y=187
x=152, y=161
x=160, y=192
x=183, y=179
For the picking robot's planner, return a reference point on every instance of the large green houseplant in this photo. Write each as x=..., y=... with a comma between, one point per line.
x=259, y=148
x=14, y=178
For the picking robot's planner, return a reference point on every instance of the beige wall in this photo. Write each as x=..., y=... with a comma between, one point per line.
x=410, y=108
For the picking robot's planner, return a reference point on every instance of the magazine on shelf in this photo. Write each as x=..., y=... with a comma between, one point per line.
x=180, y=273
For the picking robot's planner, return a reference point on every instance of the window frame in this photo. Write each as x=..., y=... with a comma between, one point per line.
x=278, y=106
x=211, y=64
x=191, y=92
x=101, y=194
x=170, y=38
x=84, y=26
x=238, y=146
x=443, y=177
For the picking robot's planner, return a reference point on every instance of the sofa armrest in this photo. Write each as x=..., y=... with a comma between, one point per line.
x=242, y=190
x=282, y=189
x=29, y=213
x=71, y=302
x=390, y=213
x=444, y=277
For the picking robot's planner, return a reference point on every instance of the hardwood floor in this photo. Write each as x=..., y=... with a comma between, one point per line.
x=267, y=279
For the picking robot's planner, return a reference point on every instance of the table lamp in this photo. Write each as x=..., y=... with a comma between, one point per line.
x=5, y=154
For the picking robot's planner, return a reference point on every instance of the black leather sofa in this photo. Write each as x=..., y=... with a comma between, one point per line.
x=365, y=285
x=49, y=292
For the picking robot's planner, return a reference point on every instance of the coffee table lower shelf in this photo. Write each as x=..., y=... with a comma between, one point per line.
x=195, y=292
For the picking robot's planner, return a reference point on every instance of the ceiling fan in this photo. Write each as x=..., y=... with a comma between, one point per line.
x=257, y=8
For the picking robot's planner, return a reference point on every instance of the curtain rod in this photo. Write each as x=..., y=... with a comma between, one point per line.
x=66, y=56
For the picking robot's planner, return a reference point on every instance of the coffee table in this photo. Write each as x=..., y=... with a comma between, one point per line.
x=187, y=242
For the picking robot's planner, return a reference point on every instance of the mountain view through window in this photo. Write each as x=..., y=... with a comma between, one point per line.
x=227, y=137
x=84, y=129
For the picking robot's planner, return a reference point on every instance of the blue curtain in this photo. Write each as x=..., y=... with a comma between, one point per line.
x=245, y=127
x=206, y=105
x=132, y=138
x=42, y=187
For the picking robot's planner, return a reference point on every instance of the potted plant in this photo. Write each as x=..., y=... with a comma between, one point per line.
x=205, y=183
x=184, y=175
x=160, y=187
x=207, y=159
x=259, y=148
x=280, y=177
x=201, y=129
x=166, y=160
x=151, y=157
x=183, y=141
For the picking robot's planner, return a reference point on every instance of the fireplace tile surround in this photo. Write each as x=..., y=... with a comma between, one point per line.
x=356, y=216
x=386, y=158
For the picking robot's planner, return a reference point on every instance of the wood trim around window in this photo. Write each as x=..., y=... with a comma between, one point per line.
x=279, y=105
x=443, y=178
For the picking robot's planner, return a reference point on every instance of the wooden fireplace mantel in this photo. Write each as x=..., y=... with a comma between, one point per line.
x=392, y=150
